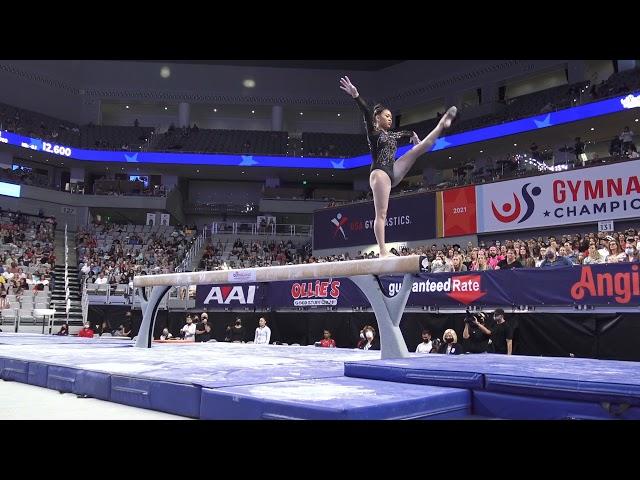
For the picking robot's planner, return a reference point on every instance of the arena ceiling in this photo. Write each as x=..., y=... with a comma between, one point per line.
x=366, y=65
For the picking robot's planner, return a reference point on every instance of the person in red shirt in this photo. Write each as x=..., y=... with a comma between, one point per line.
x=327, y=341
x=86, y=331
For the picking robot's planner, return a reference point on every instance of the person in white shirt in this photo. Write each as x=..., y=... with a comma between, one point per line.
x=101, y=280
x=166, y=335
x=426, y=345
x=85, y=269
x=263, y=333
x=189, y=330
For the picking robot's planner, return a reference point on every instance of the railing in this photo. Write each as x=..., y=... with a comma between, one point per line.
x=281, y=229
x=194, y=251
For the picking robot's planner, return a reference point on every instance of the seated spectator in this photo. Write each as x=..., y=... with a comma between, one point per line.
x=101, y=280
x=368, y=339
x=263, y=333
x=188, y=331
x=86, y=331
x=615, y=253
x=553, y=261
x=165, y=335
x=630, y=252
x=481, y=264
x=510, y=262
x=327, y=341
x=457, y=265
x=64, y=330
x=439, y=264
x=450, y=345
x=427, y=345
x=122, y=331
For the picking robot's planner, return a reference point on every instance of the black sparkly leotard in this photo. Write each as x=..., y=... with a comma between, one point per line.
x=383, y=145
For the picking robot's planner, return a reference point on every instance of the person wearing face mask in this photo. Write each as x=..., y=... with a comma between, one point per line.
x=630, y=253
x=235, y=333
x=554, y=261
x=189, y=330
x=369, y=342
x=501, y=334
x=427, y=344
x=450, y=345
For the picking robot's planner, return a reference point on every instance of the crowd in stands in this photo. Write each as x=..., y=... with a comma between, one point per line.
x=580, y=249
x=27, y=258
x=262, y=253
x=113, y=254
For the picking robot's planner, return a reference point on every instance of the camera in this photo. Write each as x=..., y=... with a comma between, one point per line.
x=470, y=318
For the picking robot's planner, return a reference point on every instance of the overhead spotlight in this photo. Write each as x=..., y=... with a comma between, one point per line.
x=481, y=151
x=301, y=113
x=215, y=110
x=592, y=129
x=339, y=115
x=253, y=111
x=197, y=171
x=165, y=72
x=249, y=83
x=126, y=106
x=166, y=108
x=515, y=144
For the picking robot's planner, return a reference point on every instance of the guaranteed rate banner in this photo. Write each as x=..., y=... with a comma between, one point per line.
x=597, y=285
x=410, y=217
x=608, y=192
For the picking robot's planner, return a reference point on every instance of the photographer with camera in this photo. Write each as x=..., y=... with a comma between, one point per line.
x=477, y=333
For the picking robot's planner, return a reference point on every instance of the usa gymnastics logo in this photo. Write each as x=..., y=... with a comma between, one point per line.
x=511, y=212
x=339, y=222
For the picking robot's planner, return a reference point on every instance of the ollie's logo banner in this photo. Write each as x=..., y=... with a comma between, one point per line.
x=585, y=195
x=319, y=292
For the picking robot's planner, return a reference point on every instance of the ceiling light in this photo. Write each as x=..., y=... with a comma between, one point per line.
x=249, y=83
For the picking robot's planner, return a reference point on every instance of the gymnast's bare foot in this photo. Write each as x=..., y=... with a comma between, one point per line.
x=386, y=254
x=448, y=117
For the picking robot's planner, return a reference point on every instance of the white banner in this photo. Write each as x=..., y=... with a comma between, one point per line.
x=151, y=218
x=609, y=192
x=164, y=219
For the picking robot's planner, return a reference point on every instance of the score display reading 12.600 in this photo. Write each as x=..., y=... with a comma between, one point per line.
x=57, y=149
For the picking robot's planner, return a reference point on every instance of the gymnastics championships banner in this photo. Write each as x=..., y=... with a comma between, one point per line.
x=409, y=217
x=596, y=285
x=608, y=192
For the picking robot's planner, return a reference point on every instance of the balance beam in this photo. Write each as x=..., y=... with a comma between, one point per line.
x=364, y=273
x=304, y=271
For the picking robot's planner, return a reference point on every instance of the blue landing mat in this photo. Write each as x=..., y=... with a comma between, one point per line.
x=518, y=407
x=568, y=378
x=334, y=399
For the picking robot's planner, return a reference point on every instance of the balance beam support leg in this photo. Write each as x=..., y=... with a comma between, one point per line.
x=388, y=311
x=149, y=311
